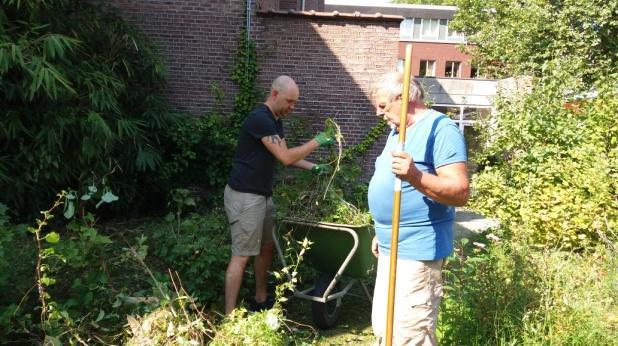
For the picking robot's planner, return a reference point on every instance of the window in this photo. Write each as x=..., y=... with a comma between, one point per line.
x=428, y=29
x=443, y=30
x=417, y=28
x=452, y=69
x=405, y=30
x=455, y=36
x=428, y=68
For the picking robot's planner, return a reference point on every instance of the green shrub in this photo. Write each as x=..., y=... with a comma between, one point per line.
x=17, y=257
x=82, y=97
x=201, y=155
x=198, y=248
x=487, y=294
x=551, y=173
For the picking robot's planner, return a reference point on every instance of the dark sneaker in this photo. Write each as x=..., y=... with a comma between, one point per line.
x=261, y=306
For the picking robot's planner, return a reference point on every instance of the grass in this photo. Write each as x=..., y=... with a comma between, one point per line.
x=510, y=293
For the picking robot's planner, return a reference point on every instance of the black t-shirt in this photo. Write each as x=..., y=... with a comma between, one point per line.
x=253, y=170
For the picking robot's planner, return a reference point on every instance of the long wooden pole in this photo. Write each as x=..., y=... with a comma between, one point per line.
x=405, y=97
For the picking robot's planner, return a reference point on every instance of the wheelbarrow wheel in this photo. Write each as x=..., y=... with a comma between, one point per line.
x=325, y=315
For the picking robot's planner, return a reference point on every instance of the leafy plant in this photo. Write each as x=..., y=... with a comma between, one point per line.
x=198, y=249
x=269, y=327
x=260, y=328
x=82, y=97
x=61, y=303
x=571, y=41
x=500, y=292
x=550, y=173
x=488, y=289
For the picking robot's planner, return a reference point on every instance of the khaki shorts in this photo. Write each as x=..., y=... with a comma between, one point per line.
x=418, y=292
x=252, y=221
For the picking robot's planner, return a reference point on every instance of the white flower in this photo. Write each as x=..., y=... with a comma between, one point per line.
x=493, y=237
x=170, y=329
x=479, y=245
x=272, y=321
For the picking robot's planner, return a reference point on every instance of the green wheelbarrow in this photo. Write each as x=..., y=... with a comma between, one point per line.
x=337, y=250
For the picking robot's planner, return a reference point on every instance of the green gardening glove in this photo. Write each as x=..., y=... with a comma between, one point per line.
x=324, y=138
x=321, y=169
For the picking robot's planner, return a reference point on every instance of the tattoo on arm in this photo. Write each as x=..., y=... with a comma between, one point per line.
x=275, y=139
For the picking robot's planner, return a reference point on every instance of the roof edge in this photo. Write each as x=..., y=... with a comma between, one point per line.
x=331, y=15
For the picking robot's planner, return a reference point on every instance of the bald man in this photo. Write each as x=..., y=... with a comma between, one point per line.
x=248, y=194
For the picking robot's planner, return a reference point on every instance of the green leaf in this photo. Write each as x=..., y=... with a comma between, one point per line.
x=69, y=210
x=47, y=281
x=52, y=237
x=101, y=315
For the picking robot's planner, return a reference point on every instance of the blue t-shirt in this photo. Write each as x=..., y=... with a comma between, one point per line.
x=425, y=226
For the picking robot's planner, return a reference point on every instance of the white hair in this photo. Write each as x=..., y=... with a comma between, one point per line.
x=392, y=84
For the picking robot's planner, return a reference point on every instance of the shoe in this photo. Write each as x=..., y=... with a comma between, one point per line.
x=261, y=306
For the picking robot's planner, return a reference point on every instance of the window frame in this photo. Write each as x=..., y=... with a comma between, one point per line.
x=426, y=63
x=454, y=73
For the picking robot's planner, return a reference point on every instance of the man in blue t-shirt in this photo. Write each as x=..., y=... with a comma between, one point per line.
x=432, y=167
x=248, y=194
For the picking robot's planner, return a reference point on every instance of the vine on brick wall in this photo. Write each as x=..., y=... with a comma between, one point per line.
x=245, y=75
x=367, y=142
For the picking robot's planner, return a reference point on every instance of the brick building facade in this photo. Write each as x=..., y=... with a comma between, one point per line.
x=334, y=58
x=441, y=54
x=334, y=62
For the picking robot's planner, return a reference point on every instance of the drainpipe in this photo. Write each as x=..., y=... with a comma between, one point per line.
x=302, y=5
x=248, y=19
x=248, y=25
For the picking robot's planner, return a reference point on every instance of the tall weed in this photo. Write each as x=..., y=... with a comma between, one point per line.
x=508, y=293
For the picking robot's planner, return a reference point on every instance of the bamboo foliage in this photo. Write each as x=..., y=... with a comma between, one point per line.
x=80, y=95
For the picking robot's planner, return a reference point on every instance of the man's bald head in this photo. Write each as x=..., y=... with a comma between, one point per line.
x=283, y=83
x=283, y=96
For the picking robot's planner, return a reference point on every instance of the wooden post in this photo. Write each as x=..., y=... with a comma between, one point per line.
x=405, y=98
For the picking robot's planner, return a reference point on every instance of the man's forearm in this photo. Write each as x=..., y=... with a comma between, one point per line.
x=449, y=189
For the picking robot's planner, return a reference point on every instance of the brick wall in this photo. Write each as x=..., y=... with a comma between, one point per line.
x=197, y=38
x=334, y=60
x=289, y=4
x=334, y=63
